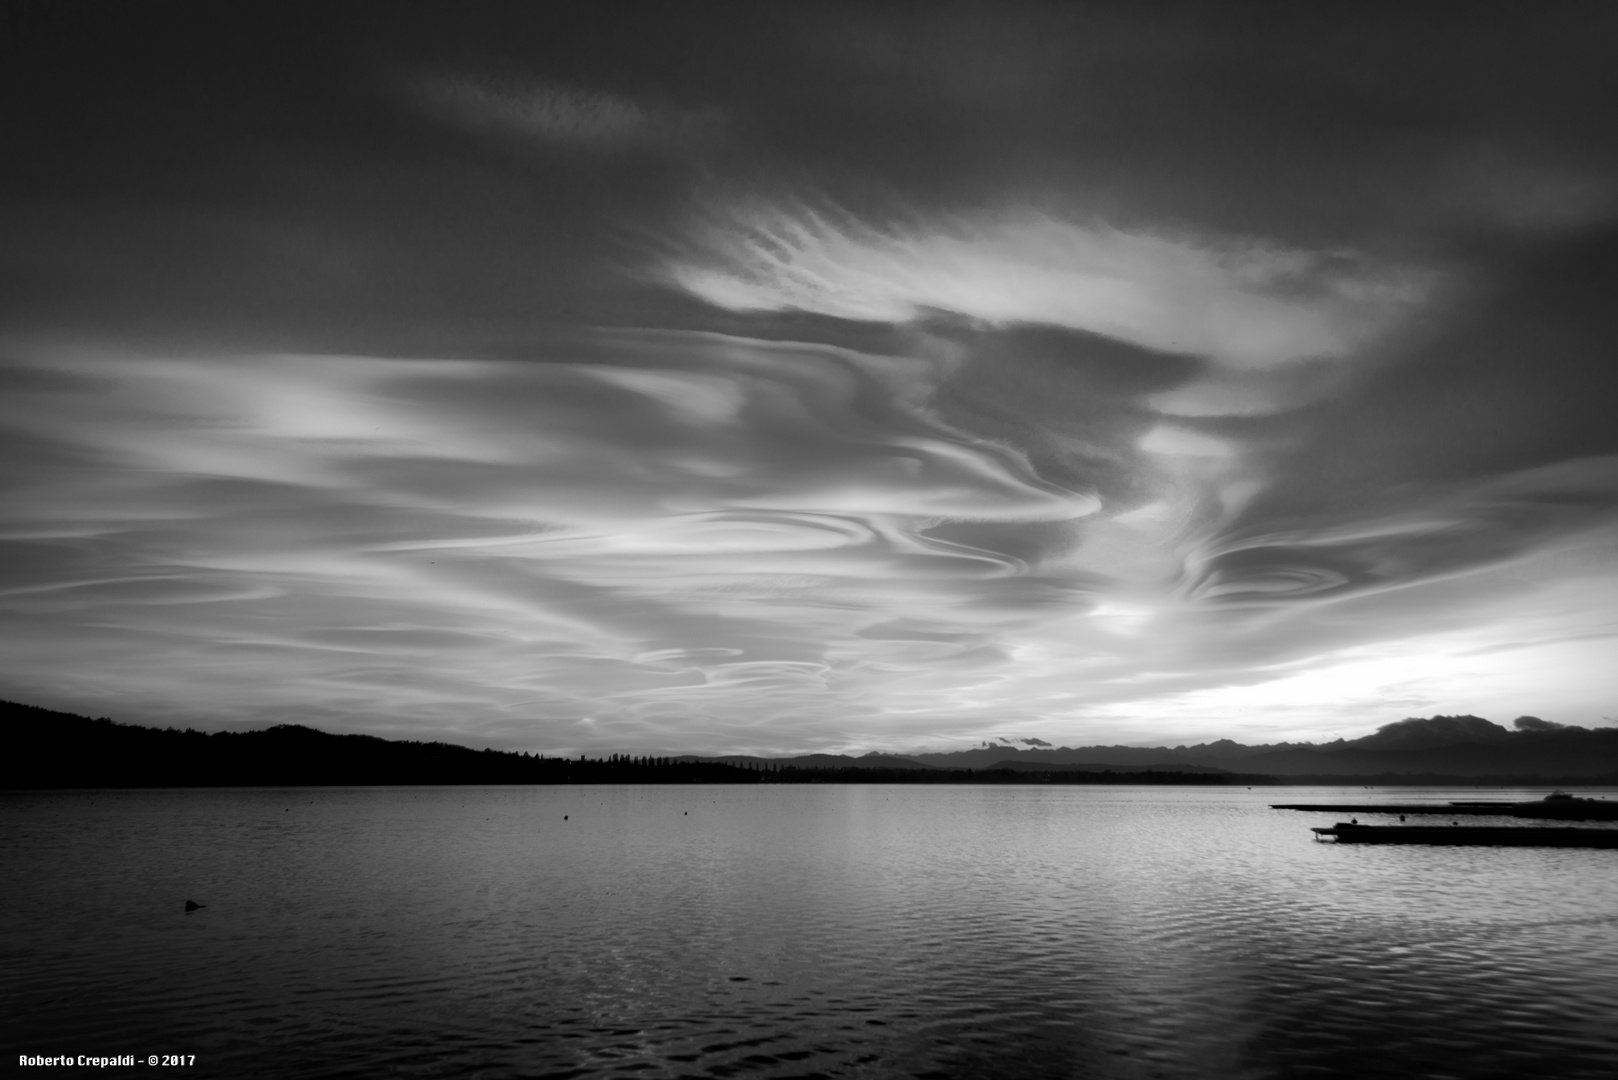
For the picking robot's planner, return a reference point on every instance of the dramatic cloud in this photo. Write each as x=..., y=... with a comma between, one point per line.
x=675, y=538
x=858, y=379
x=692, y=537
x=1243, y=302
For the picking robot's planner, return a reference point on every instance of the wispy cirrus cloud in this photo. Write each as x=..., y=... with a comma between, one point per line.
x=1197, y=378
x=691, y=531
x=660, y=539
x=1245, y=303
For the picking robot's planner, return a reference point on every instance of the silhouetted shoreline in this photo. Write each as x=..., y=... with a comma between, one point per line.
x=49, y=749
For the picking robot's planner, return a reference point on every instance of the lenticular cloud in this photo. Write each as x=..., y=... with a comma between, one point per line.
x=1243, y=303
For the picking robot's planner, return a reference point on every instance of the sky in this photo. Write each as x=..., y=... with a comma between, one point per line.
x=706, y=378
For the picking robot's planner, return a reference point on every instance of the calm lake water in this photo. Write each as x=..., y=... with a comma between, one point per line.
x=792, y=931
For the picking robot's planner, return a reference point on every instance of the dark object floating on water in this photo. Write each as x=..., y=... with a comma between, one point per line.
x=192, y=905
x=1494, y=835
x=1558, y=806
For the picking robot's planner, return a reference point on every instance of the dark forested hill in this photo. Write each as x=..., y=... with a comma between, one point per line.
x=53, y=749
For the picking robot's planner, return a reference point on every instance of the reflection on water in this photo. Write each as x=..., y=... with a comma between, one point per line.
x=792, y=931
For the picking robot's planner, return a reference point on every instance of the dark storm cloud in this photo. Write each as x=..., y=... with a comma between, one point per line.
x=744, y=378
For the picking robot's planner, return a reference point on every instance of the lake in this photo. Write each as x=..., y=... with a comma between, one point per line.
x=781, y=931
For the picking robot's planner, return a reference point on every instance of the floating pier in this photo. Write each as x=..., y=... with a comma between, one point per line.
x=1556, y=807
x=1492, y=835
x=1504, y=809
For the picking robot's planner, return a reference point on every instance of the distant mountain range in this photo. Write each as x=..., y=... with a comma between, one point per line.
x=997, y=761
x=1453, y=746
x=44, y=748
x=1457, y=746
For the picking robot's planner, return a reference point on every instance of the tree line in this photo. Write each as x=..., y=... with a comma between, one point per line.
x=49, y=749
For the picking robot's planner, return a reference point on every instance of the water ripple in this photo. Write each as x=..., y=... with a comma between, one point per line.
x=779, y=932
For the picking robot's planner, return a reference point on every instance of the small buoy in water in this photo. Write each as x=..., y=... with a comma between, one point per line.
x=192, y=905
x=687, y=813
x=564, y=817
